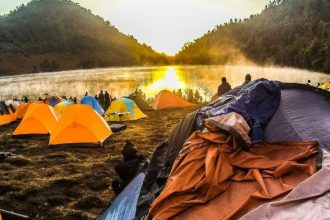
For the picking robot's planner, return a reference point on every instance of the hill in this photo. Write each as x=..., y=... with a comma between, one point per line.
x=52, y=35
x=288, y=33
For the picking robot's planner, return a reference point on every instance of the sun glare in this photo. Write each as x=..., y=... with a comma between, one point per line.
x=165, y=79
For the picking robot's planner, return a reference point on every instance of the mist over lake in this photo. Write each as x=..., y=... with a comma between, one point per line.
x=123, y=81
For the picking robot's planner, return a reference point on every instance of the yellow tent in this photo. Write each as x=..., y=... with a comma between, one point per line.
x=60, y=107
x=123, y=110
x=80, y=124
x=38, y=119
x=325, y=86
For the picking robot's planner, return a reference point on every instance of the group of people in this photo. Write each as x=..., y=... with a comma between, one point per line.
x=225, y=87
x=104, y=99
x=190, y=95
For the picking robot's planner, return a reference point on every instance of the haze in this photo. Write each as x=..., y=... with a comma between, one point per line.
x=165, y=25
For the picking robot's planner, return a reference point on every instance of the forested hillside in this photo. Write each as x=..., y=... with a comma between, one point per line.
x=51, y=35
x=288, y=32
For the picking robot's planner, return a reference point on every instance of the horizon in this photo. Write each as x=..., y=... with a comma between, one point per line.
x=171, y=28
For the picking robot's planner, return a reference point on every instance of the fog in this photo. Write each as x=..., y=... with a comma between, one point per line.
x=122, y=81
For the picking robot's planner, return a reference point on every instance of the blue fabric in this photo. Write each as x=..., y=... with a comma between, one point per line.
x=53, y=102
x=89, y=100
x=124, y=206
x=130, y=105
x=256, y=102
x=302, y=115
x=67, y=103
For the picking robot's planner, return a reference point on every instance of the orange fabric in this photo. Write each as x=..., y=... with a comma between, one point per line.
x=80, y=124
x=212, y=178
x=38, y=119
x=7, y=118
x=21, y=110
x=166, y=99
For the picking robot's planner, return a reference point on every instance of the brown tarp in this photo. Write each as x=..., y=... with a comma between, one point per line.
x=162, y=161
x=313, y=195
x=213, y=178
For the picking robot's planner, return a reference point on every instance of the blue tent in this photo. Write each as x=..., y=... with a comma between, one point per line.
x=89, y=100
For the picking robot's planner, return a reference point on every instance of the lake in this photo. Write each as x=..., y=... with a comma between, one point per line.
x=123, y=81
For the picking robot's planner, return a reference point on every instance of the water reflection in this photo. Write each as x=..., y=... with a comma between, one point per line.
x=169, y=78
x=123, y=81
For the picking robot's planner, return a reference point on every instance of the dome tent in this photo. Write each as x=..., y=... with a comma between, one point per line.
x=38, y=119
x=80, y=124
x=166, y=99
x=89, y=100
x=123, y=110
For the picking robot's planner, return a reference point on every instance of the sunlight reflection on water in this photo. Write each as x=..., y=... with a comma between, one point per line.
x=122, y=81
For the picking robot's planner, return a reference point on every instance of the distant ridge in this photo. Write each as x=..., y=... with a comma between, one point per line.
x=52, y=35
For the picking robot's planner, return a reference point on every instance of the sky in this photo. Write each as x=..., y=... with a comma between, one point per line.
x=165, y=25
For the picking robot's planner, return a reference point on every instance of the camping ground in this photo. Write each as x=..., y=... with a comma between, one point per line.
x=72, y=183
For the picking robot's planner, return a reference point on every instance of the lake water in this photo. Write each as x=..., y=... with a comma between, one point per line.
x=123, y=81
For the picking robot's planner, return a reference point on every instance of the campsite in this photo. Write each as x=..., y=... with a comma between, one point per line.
x=164, y=110
x=72, y=183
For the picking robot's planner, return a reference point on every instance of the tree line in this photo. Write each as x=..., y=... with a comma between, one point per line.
x=288, y=32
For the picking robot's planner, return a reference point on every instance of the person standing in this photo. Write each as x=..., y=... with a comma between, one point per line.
x=224, y=87
x=106, y=100
x=101, y=99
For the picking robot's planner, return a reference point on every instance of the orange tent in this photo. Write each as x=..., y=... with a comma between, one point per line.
x=167, y=99
x=6, y=114
x=80, y=124
x=39, y=119
x=21, y=110
x=7, y=118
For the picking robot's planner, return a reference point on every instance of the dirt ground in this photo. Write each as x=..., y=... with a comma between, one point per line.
x=72, y=183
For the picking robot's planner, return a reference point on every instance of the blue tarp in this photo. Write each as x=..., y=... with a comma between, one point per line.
x=256, y=102
x=124, y=206
x=89, y=100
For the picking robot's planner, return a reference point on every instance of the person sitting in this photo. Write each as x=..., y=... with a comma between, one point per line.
x=128, y=167
x=247, y=79
x=224, y=87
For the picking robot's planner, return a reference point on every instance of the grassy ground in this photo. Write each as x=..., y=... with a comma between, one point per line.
x=72, y=183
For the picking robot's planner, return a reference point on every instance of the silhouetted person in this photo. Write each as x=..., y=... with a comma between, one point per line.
x=110, y=100
x=180, y=93
x=96, y=97
x=75, y=100
x=86, y=94
x=224, y=87
x=247, y=79
x=39, y=99
x=26, y=99
x=71, y=99
x=101, y=99
x=198, y=97
x=106, y=100
x=127, y=168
